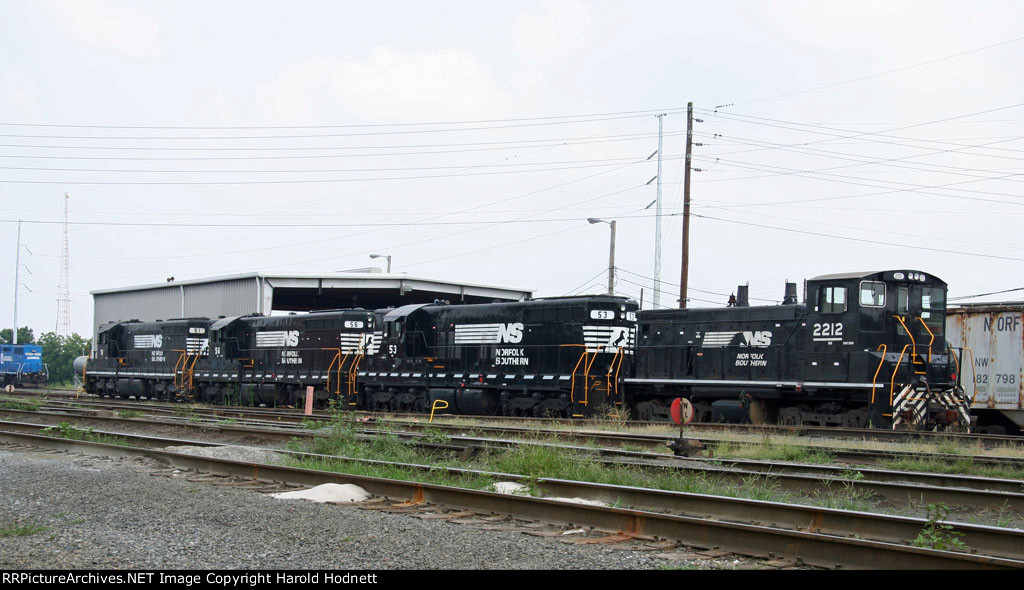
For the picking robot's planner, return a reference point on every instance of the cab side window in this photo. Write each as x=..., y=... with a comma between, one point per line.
x=833, y=300
x=902, y=300
x=872, y=294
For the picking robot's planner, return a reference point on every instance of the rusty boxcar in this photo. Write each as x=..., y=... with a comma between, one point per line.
x=993, y=338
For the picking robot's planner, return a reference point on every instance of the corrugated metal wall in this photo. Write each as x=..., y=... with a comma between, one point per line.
x=149, y=305
x=228, y=298
x=234, y=297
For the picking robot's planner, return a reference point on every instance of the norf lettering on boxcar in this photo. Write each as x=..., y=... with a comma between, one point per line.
x=1004, y=323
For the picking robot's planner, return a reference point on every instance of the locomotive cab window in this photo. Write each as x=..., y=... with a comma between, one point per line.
x=933, y=308
x=393, y=330
x=872, y=294
x=902, y=300
x=833, y=299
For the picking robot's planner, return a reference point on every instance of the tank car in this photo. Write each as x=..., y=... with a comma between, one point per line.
x=22, y=364
x=863, y=349
x=545, y=357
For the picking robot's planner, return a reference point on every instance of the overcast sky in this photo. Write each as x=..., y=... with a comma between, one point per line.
x=472, y=140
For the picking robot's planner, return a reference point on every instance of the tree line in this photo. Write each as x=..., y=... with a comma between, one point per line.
x=59, y=352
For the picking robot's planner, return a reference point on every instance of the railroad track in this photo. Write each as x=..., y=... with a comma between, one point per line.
x=897, y=487
x=863, y=434
x=817, y=536
x=606, y=440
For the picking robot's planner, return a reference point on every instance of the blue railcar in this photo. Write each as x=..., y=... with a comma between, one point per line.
x=22, y=364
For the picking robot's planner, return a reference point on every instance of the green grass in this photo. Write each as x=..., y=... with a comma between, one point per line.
x=936, y=535
x=958, y=466
x=66, y=430
x=769, y=449
x=128, y=413
x=26, y=405
x=532, y=463
x=21, y=530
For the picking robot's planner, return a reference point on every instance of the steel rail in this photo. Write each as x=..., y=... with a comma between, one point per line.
x=874, y=434
x=894, y=486
x=809, y=544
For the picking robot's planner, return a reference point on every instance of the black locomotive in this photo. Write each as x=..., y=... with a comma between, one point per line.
x=864, y=349
x=562, y=356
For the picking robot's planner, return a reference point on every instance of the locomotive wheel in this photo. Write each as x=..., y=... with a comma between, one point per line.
x=855, y=419
x=645, y=412
x=790, y=417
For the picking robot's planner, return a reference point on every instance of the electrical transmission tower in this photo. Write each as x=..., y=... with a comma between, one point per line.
x=63, y=284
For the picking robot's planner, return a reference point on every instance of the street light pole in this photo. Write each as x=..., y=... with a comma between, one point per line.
x=611, y=253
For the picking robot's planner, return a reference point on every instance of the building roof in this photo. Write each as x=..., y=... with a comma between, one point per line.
x=336, y=279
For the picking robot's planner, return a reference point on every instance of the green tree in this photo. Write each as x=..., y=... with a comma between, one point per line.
x=59, y=353
x=25, y=335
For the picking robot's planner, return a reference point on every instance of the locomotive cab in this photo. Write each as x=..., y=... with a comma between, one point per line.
x=885, y=332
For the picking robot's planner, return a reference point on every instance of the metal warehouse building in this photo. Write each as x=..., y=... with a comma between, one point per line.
x=262, y=293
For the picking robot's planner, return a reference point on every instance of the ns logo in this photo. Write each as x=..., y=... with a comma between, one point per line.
x=762, y=339
x=510, y=333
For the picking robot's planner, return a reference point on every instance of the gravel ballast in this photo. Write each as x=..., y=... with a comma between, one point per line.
x=113, y=513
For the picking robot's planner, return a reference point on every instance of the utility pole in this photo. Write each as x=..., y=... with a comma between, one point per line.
x=611, y=262
x=686, y=207
x=657, y=225
x=63, y=283
x=17, y=267
x=611, y=253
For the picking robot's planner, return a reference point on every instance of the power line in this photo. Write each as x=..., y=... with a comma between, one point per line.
x=962, y=297
x=844, y=134
x=349, y=126
x=885, y=73
x=862, y=240
x=329, y=170
x=498, y=146
x=317, y=135
x=914, y=188
x=299, y=181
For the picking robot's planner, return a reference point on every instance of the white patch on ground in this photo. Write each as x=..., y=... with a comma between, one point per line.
x=580, y=501
x=510, y=487
x=328, y=492
x=230, y=453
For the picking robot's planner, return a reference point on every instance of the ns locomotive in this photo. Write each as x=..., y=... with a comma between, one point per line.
x=563, y=356
x=863, y=349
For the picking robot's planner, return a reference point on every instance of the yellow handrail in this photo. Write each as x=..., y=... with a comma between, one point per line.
x=892, y=384
x=182, y=359
x=337, y=357
x=572, y=383
x=930, y=341
x=191, y=374
x=881, y=361
x=352, y=368
x=907, y=330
